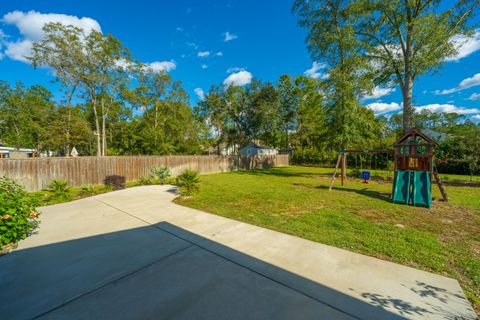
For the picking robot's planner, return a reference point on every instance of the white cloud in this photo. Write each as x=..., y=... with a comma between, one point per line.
x=204, y=66
x=19, y=50
x=155, y=66
x=464, y=84
x=219, y=54
x=449, y=108
x=234, y=69
x=30, y=25
x=228, y=36
x=203, y=54
x=2, y=42
x=162, y=66
x=238, y=79
x=476, y=117
x=474, y=97
x=313, y=71
x=200, y=93
x=465, y=45
x=378, y=92
x=380, y=107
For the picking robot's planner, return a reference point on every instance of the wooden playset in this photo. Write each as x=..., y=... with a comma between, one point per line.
x=414, y=167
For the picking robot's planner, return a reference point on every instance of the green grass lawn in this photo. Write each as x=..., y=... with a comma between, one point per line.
x=357, y=217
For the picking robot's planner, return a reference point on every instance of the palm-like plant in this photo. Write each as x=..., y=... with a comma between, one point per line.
x=87, y=190
x=161, y=173
x=59, y=189
x=188, y=182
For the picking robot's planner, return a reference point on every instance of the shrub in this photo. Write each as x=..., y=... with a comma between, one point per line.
x=18, y=213
x=162, y=174
x=356, y=173
x=312, y=156
x=145, y=180
x=87, y=190
x=116, y=182
x=188, y=182
x=59, y=189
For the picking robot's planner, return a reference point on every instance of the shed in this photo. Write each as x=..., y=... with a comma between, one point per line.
x=11, y=152
x=256, y=150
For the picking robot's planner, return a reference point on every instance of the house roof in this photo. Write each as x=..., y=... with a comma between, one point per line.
x=254, y=145
x=415, y=133
x=5, y=148
x=438, y=136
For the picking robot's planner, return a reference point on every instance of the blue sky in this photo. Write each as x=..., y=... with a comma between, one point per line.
x=190, y=39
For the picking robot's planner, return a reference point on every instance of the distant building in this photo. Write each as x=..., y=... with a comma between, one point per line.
x=285, y=151
x=10, y=152
x=254, y=149
x=437, y=136
x=223, y=150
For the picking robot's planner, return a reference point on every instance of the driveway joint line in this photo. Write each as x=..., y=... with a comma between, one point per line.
x=232, y=261
x=111, y=282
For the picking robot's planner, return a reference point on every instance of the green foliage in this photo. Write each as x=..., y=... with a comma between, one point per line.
x=145, y=180
x=162, y=174
x=188, y=182
x=59, y=190
x=374, y=42
x=87, y=190
x=116, y=182
x=18, y=213
x=357, y=217
x=312, y=156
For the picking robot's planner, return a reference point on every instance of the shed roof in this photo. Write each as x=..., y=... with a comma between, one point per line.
x=415, y=133
x=256, y=146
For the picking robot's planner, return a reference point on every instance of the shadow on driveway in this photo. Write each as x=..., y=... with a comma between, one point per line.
x=162, y=271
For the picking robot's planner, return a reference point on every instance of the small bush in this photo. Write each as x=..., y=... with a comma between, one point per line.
x=18, y=213
x=59, y=190
x=162, y=174
x=356, y=173
x=116, y=182
x=87, y=190
x=188, y=182
x=145, y=180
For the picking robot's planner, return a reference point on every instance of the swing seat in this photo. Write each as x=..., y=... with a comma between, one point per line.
x=365, y=176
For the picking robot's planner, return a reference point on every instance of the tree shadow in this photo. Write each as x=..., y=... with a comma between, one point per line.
x=364, y=192
x=280, y=172
x=460, y=183
x=162, y=271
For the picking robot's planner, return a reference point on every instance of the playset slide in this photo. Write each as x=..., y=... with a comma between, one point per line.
x=421, y=189
x=401, y=191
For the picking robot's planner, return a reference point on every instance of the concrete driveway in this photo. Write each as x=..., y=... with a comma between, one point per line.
x=133, y=254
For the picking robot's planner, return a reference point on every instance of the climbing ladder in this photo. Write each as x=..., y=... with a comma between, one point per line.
x=440, y=184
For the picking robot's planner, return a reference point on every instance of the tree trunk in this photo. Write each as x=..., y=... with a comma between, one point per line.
x=97, y=128
x=67, y=131
x=407, y=105
x=408, y=78
x=286, y=138
x=69, y=121
x=104, y=134
x=156, y=127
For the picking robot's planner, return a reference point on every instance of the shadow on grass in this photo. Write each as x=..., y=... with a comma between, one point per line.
x=364, y=192
x=282, y=172
x=460, y=183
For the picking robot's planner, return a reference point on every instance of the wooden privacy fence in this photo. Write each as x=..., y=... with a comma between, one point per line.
x=37, y=173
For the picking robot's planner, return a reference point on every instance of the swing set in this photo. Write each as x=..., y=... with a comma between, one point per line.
x=413, y=165
x=365, y=174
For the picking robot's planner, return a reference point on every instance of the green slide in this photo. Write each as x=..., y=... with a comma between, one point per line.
x=401, y=190
x=421, y=189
